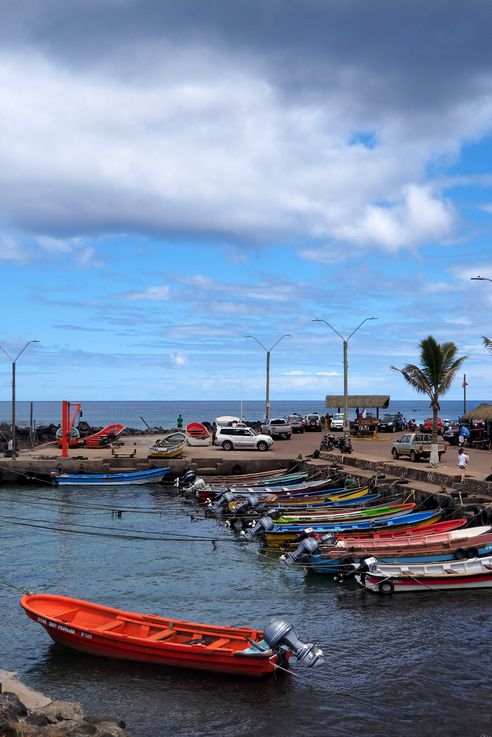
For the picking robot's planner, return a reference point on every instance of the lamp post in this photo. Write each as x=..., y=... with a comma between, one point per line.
x=268, y=351
x=14, y=361
x=346, y=424
x=480, y=278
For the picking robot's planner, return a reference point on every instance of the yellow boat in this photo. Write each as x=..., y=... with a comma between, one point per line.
x=170, y=446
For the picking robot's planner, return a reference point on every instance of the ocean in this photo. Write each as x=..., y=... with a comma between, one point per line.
x=138, y=414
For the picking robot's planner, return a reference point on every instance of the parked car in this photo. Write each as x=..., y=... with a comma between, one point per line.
x=427, y=425
x=233, y=438
x=451, y=434
x=312, y=422
x=277, y=427
x=296, y=422
x=417, y=445
x=392, y=422
x=336, y=422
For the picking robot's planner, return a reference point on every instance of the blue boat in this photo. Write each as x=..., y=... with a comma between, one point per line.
x=151, y=476
x=319, y=564
x=414, y=518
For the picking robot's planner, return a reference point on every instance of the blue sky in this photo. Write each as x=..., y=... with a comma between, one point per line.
x=176, y=177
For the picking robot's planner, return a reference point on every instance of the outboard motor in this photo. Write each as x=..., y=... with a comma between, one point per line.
x=329, y=539
x=304, y=550
x=248, y=503
x=265, y=524
x=221, y=503
x=280, y=635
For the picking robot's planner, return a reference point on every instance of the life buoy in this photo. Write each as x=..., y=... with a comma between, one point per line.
x=386, y=587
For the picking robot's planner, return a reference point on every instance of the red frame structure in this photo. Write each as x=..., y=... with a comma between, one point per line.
x=67, y=424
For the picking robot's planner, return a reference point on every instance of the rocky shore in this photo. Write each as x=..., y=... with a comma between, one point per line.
x=25, y=712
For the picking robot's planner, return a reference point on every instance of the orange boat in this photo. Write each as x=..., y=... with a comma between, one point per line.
x=148, y=638
x=104, y=436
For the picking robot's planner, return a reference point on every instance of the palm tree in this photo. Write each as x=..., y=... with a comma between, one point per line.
x=434, y=376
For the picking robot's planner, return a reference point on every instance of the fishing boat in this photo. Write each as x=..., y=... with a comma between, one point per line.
x=151, y=476
x=197, y=434
x=74, y=440
x=473, y=573
x=170, y=446
x=340, y=515
x=148, y=638
x=108, y=434
x=418, y=539
x=335, y=559
x=277, y=535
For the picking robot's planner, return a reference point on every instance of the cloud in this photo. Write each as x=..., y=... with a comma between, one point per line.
x=10, y=250
x=251, y=127
x=160, y=293
x=179, y=360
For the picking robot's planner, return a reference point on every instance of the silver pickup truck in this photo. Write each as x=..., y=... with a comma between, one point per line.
x=277, y=428
x=416, y=445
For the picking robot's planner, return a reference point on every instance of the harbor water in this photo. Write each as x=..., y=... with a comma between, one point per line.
x=399, y=666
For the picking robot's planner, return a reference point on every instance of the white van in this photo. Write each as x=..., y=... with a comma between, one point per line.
x=337, y=421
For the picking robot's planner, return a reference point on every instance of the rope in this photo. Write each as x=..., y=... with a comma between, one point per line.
x=13, y=586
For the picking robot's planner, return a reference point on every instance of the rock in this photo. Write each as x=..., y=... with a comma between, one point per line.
x=59, y=711
x=11, y=708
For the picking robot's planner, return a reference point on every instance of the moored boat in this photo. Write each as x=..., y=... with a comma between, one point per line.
x=170, y=446
x=114, y=633
x=472, y=573
x=150, y=476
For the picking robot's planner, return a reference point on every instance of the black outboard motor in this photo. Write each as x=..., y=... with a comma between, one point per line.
x=304, y=551
x=221, y=503
x=265, y=524
x=250, y=502
x=280, y=635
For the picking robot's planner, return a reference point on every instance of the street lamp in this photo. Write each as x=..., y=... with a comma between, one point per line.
x=480, y=278
x=14, y=361
x=346, y=424
x=268, y=351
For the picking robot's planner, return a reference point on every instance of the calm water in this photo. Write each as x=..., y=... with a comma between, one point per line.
x=164, y=414
x=396, y=666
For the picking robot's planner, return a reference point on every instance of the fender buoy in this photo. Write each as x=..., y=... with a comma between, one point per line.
x=386, y=587
x=459, y=554
x=472, y=553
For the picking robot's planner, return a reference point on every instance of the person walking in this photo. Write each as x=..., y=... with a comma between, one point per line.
x=463, y=459
x=179, y=422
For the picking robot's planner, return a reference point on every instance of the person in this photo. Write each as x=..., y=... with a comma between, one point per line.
x=179, y=422
x=463, y=435
x=463, y=459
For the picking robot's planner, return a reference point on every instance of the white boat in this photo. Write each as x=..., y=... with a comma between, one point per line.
x=471, y=573
x=197, y=434
x=228, y=421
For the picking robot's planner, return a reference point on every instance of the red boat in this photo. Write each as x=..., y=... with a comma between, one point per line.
x=435, y=527
x=104, y=436
x=148, y=638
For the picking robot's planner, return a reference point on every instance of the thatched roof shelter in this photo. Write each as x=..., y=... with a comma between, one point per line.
x=482, y=412
x=378, y=401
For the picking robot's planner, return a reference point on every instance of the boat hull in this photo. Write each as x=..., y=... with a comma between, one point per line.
x=401, y=585
x=152, y=476
x=113, y=633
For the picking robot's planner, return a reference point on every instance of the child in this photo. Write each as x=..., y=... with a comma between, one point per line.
x=463, y=459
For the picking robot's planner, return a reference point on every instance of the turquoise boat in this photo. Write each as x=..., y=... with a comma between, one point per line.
x=151, y=476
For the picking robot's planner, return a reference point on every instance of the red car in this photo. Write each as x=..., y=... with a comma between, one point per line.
x=427, y=425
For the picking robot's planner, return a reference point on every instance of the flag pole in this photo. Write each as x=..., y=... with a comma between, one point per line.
x=464, y=393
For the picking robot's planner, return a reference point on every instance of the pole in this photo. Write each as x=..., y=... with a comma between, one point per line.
x=464, y=393
x=267, y=397
x=13, y=411
x=346, y=423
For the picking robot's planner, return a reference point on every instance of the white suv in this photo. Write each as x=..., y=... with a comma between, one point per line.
x=336, y=422
x=232, y=438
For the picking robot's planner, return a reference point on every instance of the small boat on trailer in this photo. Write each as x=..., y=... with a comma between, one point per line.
x=473, y=573
x=197, y=434
x=107, y=435
x=148, y=638
x=150, y=476
x=170, y=446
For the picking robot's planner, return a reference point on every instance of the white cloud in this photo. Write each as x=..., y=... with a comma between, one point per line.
x=159, y=293
x=179, y=360
x=11, y=250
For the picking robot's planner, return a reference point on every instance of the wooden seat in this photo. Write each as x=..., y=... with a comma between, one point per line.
x=107, y=626
x=219, y=643
x=161, y=635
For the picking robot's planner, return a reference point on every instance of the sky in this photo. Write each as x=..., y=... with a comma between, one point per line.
x=178, y=175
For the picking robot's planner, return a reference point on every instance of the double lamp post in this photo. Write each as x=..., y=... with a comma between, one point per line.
x=268, y=351
x=14, y=361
